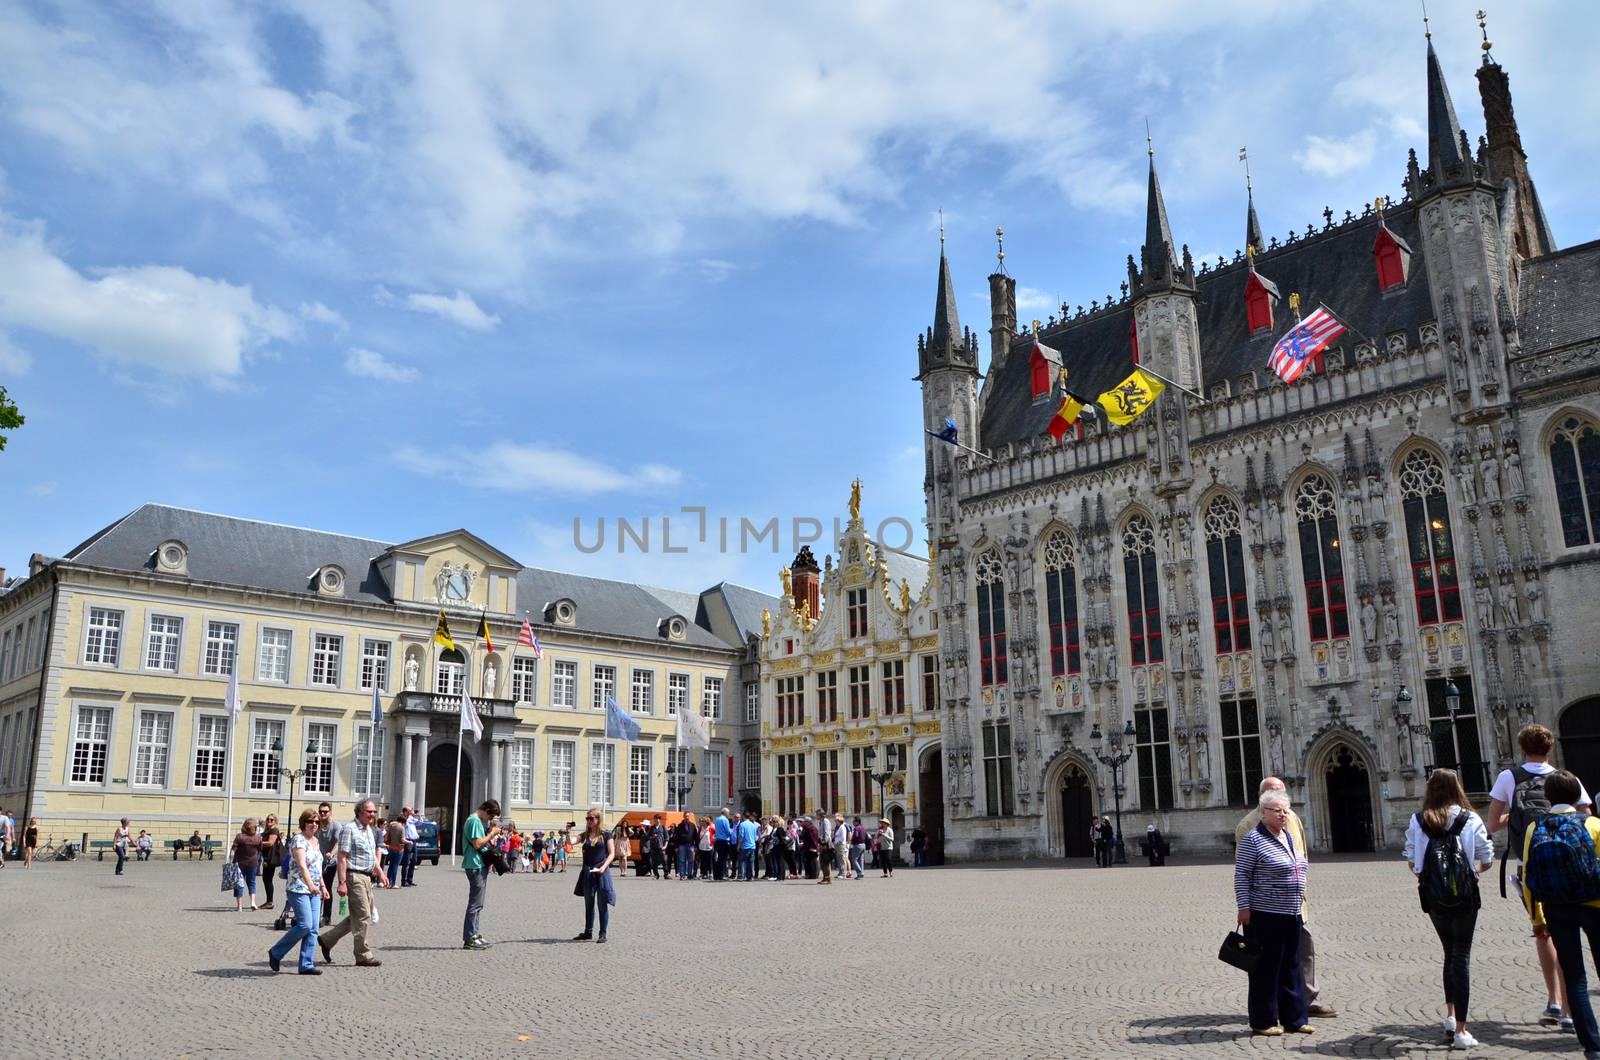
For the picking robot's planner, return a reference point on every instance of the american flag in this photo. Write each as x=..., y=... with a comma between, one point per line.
x=1302, y=342
x=528, y=640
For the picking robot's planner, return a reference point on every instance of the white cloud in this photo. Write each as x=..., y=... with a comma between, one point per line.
x=459, y=308
x=515, y=467
x=318, y=313
x=1330, y=156
x=1031, y=298
x=155, y=316
x=13, y=360
x=42, y=489
x=369, y=364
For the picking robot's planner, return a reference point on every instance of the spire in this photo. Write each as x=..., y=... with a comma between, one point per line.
x=1252, y=224
x=1159, y=259
x=1446, y=157
x=946, y=324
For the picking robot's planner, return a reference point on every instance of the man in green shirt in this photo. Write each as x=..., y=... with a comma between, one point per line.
x=482, y=828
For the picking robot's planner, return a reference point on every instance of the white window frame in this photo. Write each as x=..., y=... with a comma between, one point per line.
x=101, y=720
x=263, y=756
x=711, y=697
x=752, y=773
x=262, y=674
x=95, y=652
x=601, y=686
x=642, y=694
x=560, y=782
x=641, y=774
x=677, y=693
x=216, y=630
x=449, y=676
x=524, y=679
x=138, y=775
x=564, y=684
x=169, y=639
x=752, y=703
x=521, y=779
x=375, y=663
x=711, y=769
x=328, y=659
x=215, y=750
x=602, y=772
x=5, y=656
x=359, y=754
x=319, y=778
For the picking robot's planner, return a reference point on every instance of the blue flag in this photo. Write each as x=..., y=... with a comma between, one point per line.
x=619, y=723
x=949, y=434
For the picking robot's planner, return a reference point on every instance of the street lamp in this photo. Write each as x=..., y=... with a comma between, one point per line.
x=869, y=756
x=292, y=774
x=679, y=782
x=1452, y=698
x=1114, y=762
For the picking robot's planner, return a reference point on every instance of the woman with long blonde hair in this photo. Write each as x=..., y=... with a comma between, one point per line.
x=594, y=884
x=1445, y=840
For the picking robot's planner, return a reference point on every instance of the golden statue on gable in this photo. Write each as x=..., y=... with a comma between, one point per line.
x=766, y=622
x=855, y=499
x=905, y=595
x=783, y=576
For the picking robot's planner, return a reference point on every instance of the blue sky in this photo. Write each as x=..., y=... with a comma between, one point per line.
x=392, y=270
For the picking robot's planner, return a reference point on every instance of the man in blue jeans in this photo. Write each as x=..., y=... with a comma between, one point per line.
x=747, y=832
x=722, y=846
x=1565, y=923
x=686, y=836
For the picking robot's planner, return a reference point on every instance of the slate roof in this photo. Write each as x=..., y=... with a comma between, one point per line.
x=245, y=552
x=1334, y=267
x=1560, y=298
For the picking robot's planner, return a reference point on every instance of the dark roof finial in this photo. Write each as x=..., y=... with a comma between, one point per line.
x=1483, y=27
x=1252, y=224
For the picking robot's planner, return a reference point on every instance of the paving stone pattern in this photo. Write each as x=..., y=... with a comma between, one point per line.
x=1013, y=961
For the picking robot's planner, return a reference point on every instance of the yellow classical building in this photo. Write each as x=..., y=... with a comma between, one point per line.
x=115, y=663
x=850, y=688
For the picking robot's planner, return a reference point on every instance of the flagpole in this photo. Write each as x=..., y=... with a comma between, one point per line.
x=234, y=713
x=961, y=445
x=1175, y=385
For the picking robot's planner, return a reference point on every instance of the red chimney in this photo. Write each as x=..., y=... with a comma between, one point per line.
x=807, y=581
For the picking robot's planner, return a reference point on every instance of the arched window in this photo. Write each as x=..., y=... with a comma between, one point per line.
x=1144, y=593
x=1320, y=562
x=991, y=619
x=1061, y=591
x=1575, y=466
x=1434, y=575
x=450, y=676
x=1230, y=611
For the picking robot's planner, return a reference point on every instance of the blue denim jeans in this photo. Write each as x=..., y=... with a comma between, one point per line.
x=307, y=910
x=247, y=882
x=685, y=861
x=857, y=853
x=393, y=862
x=1568, y=924
x=477, y=889
x=747, y=863
x=408, y=866
x=122, y=858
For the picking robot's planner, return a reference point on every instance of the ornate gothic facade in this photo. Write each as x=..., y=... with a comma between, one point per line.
x=1388, y=566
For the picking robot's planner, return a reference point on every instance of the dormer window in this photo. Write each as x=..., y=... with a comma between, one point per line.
x=172, y=557
x=1043, y=367
x=1393, y=259
x=329, y=580
x=1260, y=294
x=673, y=627
x=561, y=612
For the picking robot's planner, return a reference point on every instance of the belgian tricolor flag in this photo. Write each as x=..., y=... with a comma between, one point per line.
x=483, y=631
x=1071, y=408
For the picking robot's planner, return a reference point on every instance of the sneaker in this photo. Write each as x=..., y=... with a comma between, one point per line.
x=1463, y=1040
x=1266, y=1032
x=1552, y=1015
x=272, y=961
x=1304, y=1028
x=583, y=937
x=1567, y=1025
x=1449, y=1024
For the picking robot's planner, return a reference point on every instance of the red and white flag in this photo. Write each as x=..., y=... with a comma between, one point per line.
x=1303, y=342
x=528, y=640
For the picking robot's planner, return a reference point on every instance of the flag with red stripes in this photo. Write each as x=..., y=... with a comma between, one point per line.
x=1303, y=342
x=528, y=640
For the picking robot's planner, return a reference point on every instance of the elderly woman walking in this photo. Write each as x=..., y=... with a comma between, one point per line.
x=247, y=855
x=1269, y=884
x=305, y=893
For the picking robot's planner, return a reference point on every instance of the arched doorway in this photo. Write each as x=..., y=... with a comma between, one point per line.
x=930, y=803
x=897, y=821
x=1077, y=809
x=1579, y=727
x=441, y=792
x=1349, y=801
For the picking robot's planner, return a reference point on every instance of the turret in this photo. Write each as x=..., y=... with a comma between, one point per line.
x=1507, y=163
x=1167, y=335
x=947, y=361
x=807, y=581
x=1002, y=307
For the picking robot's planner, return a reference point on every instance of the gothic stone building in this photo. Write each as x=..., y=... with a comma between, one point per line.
x=1388, y=566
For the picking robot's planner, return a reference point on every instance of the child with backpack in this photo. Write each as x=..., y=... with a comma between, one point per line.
x=1448, y=847
x=1518, y=799
x=1561, y=886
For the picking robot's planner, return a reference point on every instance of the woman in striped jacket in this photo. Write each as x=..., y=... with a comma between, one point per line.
x=1269, y=885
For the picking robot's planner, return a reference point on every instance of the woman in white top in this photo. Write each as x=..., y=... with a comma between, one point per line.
x=1446, y=814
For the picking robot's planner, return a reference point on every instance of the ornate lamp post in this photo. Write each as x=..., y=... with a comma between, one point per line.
x=869, y=756
x=1114, y=761
x=680, y=782
x=292, y=774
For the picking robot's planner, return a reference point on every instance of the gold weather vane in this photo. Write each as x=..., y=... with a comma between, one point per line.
x=941, y=230
x=1149, y=144
x=1000, y=243
x=1426, y=32
x=1483, y=27
x=1244, y=156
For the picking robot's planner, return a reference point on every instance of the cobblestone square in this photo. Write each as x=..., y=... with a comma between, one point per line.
x=1037, y=961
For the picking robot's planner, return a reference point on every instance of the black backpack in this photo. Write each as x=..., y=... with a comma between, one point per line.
x=1529, y=805
x=1449, y=881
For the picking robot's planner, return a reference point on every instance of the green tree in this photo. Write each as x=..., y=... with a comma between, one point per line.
x=10, y=418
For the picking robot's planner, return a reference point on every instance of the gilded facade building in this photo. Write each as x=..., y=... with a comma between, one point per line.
x=115, y=662
x=850, y=689
x=1388, y=566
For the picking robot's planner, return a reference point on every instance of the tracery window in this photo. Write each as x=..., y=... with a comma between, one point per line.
x=1230, y=611
x=1144, y=592
x=1061, y=592
x=1434, y=574
x=1575, y=467
x=1320, y=561
x=991, y=619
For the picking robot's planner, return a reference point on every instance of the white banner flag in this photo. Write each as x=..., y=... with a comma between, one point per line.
x=692, y=729
x=469, y=717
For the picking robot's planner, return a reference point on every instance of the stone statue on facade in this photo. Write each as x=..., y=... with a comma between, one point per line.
x=411, y=673
x=1265, y=640
x=1391, y=623
x=490, y=676
x=1510, y=605
x=1535, y=594
x=1491, y=484
x=1514, y=473
x=1194, y=650
x=1485, y=604
x=1369, y=622
x=1469, y=484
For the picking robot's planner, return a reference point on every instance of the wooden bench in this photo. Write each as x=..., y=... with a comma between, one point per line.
x=208, y=847
x=100, y=847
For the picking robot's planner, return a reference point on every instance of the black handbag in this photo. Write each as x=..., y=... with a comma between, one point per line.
x=1239, y=953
